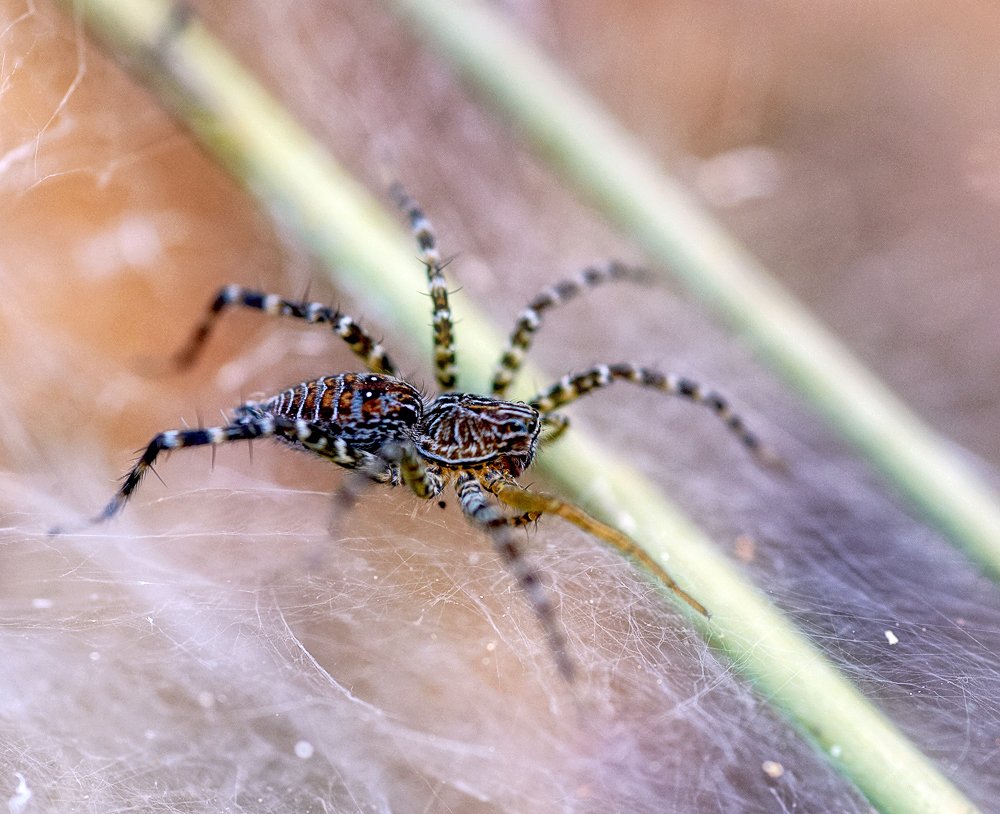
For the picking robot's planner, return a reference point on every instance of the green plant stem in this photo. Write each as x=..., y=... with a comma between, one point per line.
x=613, y=170
x=258, y=142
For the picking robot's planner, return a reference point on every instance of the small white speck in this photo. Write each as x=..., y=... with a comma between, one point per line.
x=835, y=750
x=736, y=176
x=139, y=242
x=22, y=794
x=206, y=700
x=626, y=523
x=891, y=637
x=41, y=603
x=94, y=656
x=134, y=242
x=304, y=750
x=773, y=769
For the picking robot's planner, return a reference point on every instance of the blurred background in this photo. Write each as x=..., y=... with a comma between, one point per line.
x=233, y=644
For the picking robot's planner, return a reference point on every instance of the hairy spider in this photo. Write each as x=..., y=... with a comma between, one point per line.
x=391, y=433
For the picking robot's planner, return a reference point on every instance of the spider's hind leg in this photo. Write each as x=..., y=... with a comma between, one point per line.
x=245, y=429
x=528, y=501
x=485, y=514
x=360, y=342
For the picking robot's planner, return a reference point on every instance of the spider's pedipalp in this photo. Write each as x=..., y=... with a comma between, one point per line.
x=571, y=387
x=537, y=503
x=360, y=342
x=530, y=318
x=486, y=515
x=445, y=369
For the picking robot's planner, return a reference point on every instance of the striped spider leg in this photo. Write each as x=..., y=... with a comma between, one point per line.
x=530, y=318
x=445, y=371
x=358, y=340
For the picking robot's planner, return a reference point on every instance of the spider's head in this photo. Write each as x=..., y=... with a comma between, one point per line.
x=466, y=430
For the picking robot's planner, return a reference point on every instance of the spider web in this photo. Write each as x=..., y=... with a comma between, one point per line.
x=234, y=644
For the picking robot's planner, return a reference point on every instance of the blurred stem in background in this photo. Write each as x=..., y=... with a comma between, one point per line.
x=370, y=254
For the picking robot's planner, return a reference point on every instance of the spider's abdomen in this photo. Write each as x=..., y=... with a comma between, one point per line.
x=367, y=410
x=466, y=430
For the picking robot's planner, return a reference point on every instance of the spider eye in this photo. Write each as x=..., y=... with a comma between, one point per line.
x=518, y=427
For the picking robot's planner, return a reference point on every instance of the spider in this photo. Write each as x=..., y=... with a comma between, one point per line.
x=384, y=428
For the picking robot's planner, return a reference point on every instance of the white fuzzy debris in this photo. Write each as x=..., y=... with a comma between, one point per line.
x=891, y=637
x=737, y=176
x=18, y=802
x=773, y=769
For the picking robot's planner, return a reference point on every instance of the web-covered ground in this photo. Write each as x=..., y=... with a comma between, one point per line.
x=232, y=643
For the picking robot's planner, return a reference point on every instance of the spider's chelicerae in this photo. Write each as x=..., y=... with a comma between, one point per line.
x=390, y=432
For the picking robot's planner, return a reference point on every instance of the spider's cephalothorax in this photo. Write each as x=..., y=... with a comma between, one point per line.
x=388, y=431
x=463, y=430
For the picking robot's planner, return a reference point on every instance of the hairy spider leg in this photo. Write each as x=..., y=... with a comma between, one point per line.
x=176, y=439
x=424, y=481
x=445, y=370
x=538, y=503
x=249, y=424
x=486, y=515
x=553, y=427
x=571, y=387
x=329, y=444
x=360, y=342
x=530, y=319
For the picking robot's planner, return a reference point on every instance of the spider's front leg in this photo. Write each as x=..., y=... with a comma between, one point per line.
x=473, y=499
x=571, y=387
x=538, y=503
x=553, y=427
x=530, y=318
